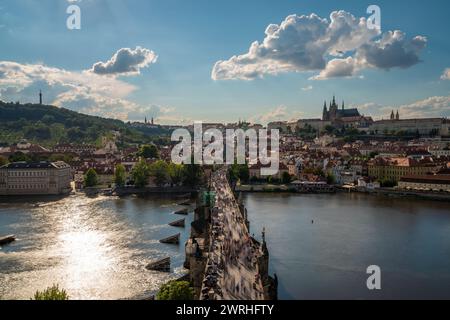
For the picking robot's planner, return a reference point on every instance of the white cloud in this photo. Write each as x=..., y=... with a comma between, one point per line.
x=307, y=88
x=126, y=61
x=23, y=77
x=337, y=48
x=83, y=91
x=337, y=68
x=280, y=113
x=391, y=51
x=446, y=74
x=431, y=107
x=437, y=106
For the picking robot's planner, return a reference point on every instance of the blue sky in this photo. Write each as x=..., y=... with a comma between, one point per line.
x=182, y=40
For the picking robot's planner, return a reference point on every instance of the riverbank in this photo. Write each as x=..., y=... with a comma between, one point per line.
x=399, y=193
x=328, y=189
x=275, y=188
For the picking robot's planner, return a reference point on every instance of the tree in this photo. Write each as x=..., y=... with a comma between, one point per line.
x=140, y=174
x=38, y=130
x=373, y=154
x=48, y=119
x=52, y=294
x=90, y=178
x=19, y=157
x=176, y=173
x=120, y=175
x=3, y=161
x=160, y=171
x=176, y=290
x=149, y=152
x=75, y=134
x=286, y=178
x=329, y=129
x=244, y=173
x=60, y=157
x=240, y=172
x=388, y=183
x=192, y=175
x=331, y=179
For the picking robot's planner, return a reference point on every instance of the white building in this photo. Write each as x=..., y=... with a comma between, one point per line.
x=41, y=178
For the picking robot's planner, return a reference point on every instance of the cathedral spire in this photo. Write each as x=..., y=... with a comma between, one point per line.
x=343, y=105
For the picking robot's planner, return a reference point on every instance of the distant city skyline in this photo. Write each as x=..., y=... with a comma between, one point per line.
x=262, y=61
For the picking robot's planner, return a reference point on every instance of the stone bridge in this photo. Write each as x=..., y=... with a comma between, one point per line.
x=225, y=262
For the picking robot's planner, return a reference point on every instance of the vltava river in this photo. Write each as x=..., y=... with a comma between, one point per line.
x=408, y=239
x=98, y=248
x=94, y=248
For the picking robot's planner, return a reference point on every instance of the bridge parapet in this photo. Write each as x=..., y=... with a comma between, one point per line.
x=234, y=265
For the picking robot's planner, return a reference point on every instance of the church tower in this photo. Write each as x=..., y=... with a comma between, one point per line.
x=40, y=97
x=325, y=115
x=392, y=115
x=333, y=110
x=397, y=116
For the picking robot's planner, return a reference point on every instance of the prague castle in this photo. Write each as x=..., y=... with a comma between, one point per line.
x=341, y=117
x=336, y=114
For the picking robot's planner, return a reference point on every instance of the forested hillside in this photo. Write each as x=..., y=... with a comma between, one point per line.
x=49, y=125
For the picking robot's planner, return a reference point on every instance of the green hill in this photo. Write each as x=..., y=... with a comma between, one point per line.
x=49, y=125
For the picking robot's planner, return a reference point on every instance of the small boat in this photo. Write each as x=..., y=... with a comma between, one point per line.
x=7, y=240
x=183, y=212
x=179, y=223
x=171, y=240
x=162, y=265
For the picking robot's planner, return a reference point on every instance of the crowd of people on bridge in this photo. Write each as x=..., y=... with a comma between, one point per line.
x=232, y=266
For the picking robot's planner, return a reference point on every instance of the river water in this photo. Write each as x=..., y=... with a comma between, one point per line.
x=97, y=248
x=321, y=245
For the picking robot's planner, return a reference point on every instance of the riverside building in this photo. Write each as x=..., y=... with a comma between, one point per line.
x=40, y=178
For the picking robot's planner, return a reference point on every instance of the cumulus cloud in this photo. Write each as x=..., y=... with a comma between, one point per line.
x=83, y=91
x=391, y=51
x=338, y=68
x=431, y=107
x=446, y=74
x=437, y=106
x=339, y=47
x=19, y=78
x=126, y=61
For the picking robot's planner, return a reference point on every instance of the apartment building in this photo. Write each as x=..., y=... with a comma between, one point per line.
x=40, y=178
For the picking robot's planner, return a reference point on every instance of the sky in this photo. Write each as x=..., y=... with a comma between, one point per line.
x=180, y=61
